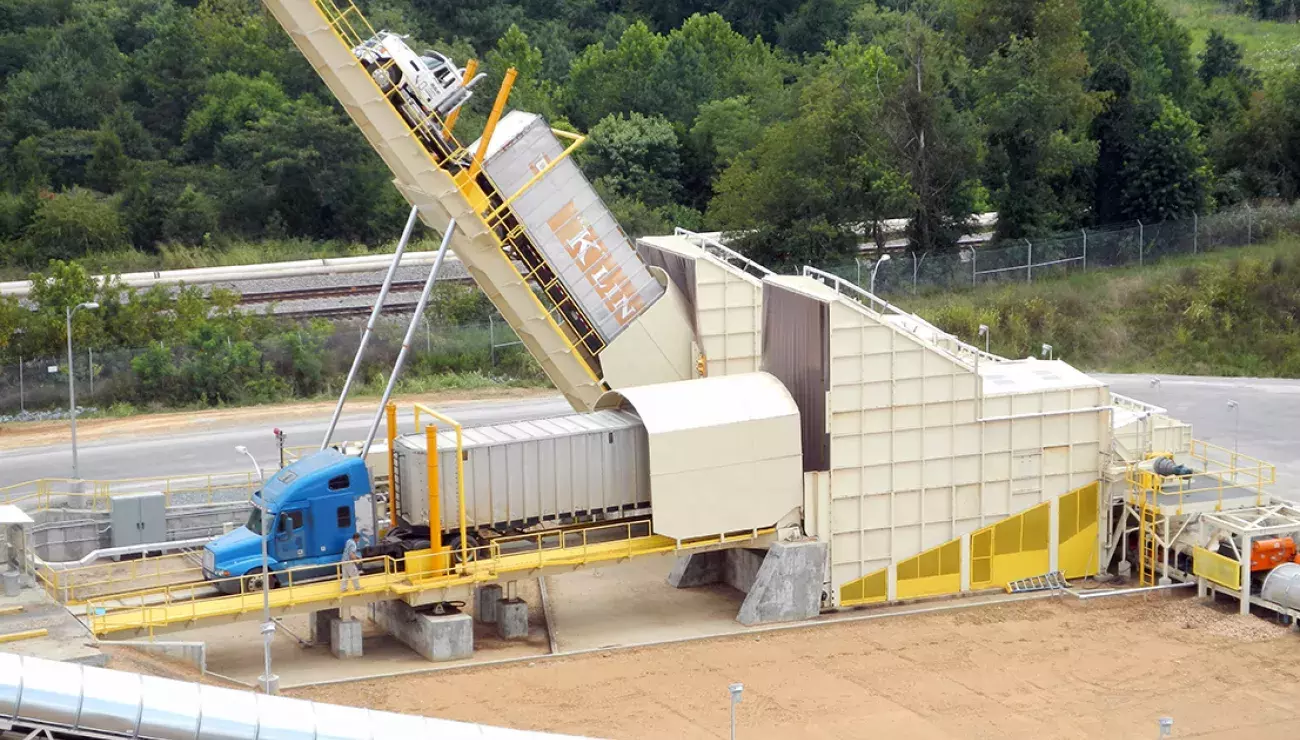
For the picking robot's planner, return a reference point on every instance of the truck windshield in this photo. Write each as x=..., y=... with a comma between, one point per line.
x=255, y=521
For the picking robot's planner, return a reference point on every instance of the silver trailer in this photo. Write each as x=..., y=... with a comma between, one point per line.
x=565, y=219
x=579, y=467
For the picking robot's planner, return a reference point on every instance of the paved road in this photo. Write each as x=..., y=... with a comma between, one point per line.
x=1269, y=425
x=213, y=450
x=1266, y=423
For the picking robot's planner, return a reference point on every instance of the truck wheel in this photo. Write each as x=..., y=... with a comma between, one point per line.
x=454, y=546
x=253, y=580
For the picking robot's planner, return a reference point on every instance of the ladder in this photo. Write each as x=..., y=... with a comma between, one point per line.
x=1054, y=581
x=1148, y=538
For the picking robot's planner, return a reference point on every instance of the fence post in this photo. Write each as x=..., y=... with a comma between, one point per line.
x=1085, y=249
x=492, y=340
x=1141, y=242
x=914, y=267
x=974, y=254
x=90, y=369
x=1029, y=264
x=1250, y=225
x=22, y=404
x=1196, y=230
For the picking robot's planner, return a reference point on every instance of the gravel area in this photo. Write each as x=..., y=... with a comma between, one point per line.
x=1106, y=668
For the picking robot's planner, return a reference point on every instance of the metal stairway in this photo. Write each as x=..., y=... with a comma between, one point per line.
x=434, y=173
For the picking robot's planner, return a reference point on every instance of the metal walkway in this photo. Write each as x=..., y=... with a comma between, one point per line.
x=428, y=577
x=422, y=159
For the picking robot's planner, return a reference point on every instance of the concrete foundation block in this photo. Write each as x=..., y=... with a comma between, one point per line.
x=12, y=582
x=320, y=625
x=345, y=638
x=788, y=584
x=486, y=599
x=437, y=638
x=697, y=569
x=512, y=619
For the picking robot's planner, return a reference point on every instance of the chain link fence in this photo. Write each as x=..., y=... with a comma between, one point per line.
x=37, y=387
x=1027, y=260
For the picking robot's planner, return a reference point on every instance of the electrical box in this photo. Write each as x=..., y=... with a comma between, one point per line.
x=138, y=518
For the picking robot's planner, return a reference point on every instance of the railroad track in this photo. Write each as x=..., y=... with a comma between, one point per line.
x=332, y=291
x=404, y=307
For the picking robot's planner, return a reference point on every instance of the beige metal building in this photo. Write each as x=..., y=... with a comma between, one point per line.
x=911, y=438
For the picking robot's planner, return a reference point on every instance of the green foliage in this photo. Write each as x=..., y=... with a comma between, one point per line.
x=634, y=156
x=72, y=224
x=1166, y=174
x=1220, y=314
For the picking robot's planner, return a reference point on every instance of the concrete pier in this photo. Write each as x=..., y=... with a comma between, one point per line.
x=512, y=619
x=782, y=585
x=320, y=625
x=437, y=638
x=345, y=638
x=486, y=598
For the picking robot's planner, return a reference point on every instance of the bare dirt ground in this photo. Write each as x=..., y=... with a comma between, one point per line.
x=37, y=433
x=1107, y=668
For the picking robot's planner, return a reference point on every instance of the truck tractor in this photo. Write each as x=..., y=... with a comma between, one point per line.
x=419, y=85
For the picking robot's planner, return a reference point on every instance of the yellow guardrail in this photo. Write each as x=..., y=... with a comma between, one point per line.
x=1221, y=470
x=188, y=603
x=96, y=495
x=77, y=585
x=1217, y=568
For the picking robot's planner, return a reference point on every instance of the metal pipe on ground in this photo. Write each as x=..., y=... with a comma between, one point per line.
x=397, y=366
x=370, y=324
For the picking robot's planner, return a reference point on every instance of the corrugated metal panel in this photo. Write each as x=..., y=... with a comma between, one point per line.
x=796, y=349
x=569, y=223
x=521, y=473
x=679, y=268
x=915, y=462
x=727, y=303
x=724, y=453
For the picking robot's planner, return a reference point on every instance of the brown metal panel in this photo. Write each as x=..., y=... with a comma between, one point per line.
x=680, y=269
x=796, y=349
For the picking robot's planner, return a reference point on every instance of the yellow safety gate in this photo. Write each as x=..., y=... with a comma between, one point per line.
x=1016, y=547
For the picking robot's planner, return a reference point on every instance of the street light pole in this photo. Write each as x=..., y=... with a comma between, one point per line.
x=72, y=385
x=883, y=259
x=735, y=689
x=1235, y=408
x=270, y=683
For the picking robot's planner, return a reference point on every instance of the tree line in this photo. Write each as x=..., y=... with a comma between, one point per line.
x=133, y=124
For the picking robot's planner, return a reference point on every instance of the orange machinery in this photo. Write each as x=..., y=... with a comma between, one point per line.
x=1270, y=553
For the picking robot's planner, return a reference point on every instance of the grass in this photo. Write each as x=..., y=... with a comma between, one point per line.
x=1234, y=313
x=1268, y=45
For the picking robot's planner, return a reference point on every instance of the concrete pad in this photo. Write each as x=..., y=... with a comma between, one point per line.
x=632, y=603
x=67, y=640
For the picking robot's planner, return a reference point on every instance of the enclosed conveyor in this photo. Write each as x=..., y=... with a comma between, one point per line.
x=71, y=700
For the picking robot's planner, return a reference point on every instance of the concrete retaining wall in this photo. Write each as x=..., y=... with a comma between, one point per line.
x=60, y=535
x=190, y=653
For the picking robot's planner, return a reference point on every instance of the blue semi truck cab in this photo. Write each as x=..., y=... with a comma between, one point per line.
x=312, y=514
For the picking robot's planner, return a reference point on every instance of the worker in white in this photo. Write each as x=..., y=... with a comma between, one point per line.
x=350, y=559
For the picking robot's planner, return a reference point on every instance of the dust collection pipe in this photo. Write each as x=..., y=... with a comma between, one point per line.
x=370, y=325
x=397, y=366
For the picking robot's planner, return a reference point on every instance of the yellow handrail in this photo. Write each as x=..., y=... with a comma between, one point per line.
x=460, y=472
